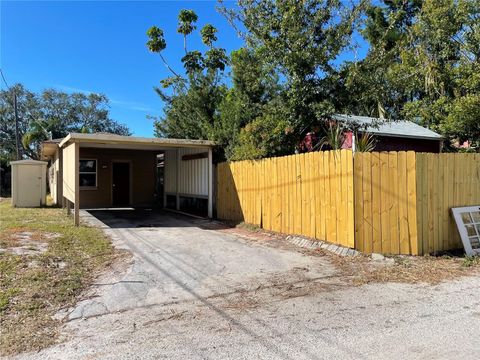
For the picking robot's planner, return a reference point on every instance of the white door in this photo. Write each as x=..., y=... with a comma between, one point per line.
x=29, y=186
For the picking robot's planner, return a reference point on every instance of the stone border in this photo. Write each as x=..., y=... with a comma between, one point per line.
x=318, y=244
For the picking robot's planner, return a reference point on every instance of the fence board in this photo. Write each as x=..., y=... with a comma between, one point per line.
x=376, y=204
x=360, y=211
x=394, y=203
x=350, y=201
x=366, y=169
x=411, y=203
x=404, y=243
x=385, y=201
x=313, y=192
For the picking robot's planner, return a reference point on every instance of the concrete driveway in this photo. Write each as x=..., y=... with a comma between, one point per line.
x=194, y=292
x=178, y=258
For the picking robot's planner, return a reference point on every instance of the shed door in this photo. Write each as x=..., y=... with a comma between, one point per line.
x=29, y=186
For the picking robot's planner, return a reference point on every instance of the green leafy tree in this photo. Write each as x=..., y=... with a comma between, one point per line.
x=191, y=98
x=51, y=114
x=28, y=106
x=422, y=65
x=371, y=86
x=301, y=40
x=255, y=97
x=446, y=53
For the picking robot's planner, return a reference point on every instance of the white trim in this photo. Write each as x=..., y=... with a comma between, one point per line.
x=457, y=214
x=187, y=195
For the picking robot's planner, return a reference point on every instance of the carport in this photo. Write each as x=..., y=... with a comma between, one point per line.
x=105, y=170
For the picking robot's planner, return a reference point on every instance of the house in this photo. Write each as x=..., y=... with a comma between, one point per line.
x=105, y=170
x=391, y=135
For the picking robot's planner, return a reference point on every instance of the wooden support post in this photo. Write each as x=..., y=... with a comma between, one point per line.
x=77, y=185
x=177, y=170
x=68, y=206
x=210, y=183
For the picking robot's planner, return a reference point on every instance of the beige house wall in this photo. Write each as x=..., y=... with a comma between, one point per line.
x=69, y=171
x=55, y=178
x=142, y=176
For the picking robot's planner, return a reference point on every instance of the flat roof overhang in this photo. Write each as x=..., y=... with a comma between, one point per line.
x=48, y=149
x=132, y=142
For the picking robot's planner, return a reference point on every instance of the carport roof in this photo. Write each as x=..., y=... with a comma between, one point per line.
x=111, y=139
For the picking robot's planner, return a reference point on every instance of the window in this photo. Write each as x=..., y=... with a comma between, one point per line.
x=468, y=224
x=88, y=173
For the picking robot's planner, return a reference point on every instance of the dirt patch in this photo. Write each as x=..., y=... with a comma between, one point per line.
x=21, y=242
x=46, y=263
x=361, y=269
x=406, y=269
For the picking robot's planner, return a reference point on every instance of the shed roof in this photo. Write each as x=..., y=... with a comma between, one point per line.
x=28, y=162
x=384, y=127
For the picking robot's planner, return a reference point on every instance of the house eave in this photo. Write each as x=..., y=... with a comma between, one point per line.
x=117, y=140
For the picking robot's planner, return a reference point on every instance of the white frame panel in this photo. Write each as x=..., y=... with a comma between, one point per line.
x=457, y=214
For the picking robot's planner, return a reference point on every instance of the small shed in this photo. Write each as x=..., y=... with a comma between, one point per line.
x=29, y=183
x=401, y=135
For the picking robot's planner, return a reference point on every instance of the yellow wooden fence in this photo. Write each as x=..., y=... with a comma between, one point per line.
x=444, y=181
x=385, y=203
x=389, y=202
x=307, y=194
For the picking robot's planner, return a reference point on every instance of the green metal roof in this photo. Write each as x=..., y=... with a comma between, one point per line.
x=385, y=127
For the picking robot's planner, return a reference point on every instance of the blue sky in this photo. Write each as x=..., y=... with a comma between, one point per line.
x=95, y=46
x=100, y=47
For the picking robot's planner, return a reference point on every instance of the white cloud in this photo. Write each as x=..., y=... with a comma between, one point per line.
x=129, y=105
x=73, y=89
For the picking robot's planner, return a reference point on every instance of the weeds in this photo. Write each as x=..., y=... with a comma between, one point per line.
x=33, y=286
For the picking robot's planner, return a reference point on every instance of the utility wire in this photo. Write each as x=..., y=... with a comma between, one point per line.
x=3, y=78
x=17, y=132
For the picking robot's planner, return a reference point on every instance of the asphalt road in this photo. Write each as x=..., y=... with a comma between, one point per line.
x=190, y=292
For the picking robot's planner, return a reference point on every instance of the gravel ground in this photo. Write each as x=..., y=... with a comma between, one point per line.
x=196, y=293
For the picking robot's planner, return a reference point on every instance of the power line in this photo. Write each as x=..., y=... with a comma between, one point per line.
x=15, y=110
x=3, y=78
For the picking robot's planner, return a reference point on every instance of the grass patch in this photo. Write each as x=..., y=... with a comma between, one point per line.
x=249, y=227
x=33, y=287
x=470, y=261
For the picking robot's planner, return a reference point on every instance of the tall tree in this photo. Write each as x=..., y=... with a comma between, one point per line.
x=372, y=87
x=28, y=108
x=51, y=114
x=422, y=65
x=191, y=98
x=255, y=92
x=443, y=63
x=302, y=40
